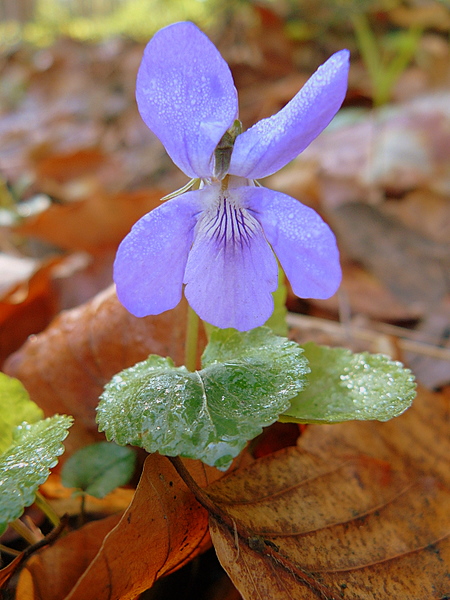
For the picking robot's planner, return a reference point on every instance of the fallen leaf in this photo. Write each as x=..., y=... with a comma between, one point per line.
x=64, y=502
x=52, y=572
x=92, y=224
x=429, y=370
x=7, y=572
x=72, y=165
x=65, y=368
x=163, y=528
x=424, y=211
x=357, y=511
x=397, y=148
x=365, y=294
x=417, y=442
x=27, y=302
x=412, y=266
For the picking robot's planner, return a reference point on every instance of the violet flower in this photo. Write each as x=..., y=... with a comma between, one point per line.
x=221, y=240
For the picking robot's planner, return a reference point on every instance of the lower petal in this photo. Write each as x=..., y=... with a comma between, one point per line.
x=150, y=261
x=303, y=242
x=231, y=270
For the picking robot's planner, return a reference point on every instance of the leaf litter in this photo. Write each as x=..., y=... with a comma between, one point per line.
x=394, y=164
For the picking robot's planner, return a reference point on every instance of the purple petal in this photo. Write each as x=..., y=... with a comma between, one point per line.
x=150, y=261
x=303, y=242
x=272, y=143
x=186, y=96
x=231, y=270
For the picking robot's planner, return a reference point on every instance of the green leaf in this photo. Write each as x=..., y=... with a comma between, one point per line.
x=277, y=321
x=98, y=469
x=27, y=462
x=345, y=386
x=247, y=380
x=15, y=407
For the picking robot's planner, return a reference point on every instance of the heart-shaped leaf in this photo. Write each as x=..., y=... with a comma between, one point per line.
x=247, y=380
x=98, y=469
x=344, y=386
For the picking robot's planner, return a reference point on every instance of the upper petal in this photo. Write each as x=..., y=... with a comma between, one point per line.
x=150, y=261
x=186, y=95
x=303, y=242
x=231, y=270
x=271, y=143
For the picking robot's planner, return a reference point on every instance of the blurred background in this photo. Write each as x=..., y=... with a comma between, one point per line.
x=78, y=167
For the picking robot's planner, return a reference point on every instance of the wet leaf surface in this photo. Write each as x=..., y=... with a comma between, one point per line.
x=26, y=464
x=344, y=386
x=246, y=381
x=65, y=368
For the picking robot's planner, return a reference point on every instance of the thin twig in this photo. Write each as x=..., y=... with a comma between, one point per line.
x=338, y=330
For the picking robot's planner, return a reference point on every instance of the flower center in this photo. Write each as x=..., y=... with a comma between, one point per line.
x=228, y=223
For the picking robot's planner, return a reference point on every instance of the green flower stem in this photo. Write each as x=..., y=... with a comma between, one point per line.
x=190, y=347
x=10, y=551
x=48, y=511
x=23, y=531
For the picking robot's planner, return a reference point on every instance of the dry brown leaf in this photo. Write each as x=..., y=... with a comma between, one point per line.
x=399, y=148
x=73, y=165
x=65, y=368
x=424, y=211
x=358, y=511
x=7, y=572
x=52, y=572
x=429, y=370
x=414, y=267
x=364, y=294
x=27, y=305
x=417, y=442
x=93, y=224
x=163, y=528
x=65, y=502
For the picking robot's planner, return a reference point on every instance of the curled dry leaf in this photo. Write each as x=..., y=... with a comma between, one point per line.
x=358, y=511
x=65, y=368
x=27, y=302
x=162, y=529
x=94, y=223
